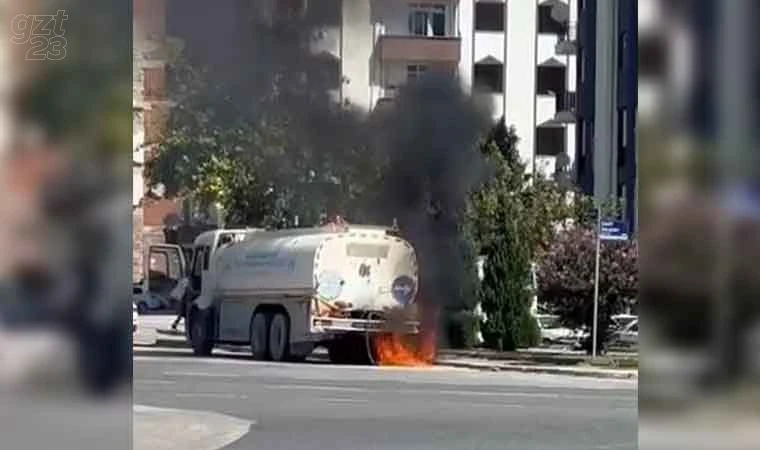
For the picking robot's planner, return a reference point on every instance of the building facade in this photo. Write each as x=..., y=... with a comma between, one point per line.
x=151, y=51
x=606, y=158
x=517, y=56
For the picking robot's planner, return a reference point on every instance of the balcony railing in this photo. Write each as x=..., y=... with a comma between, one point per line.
x=567, y=44
x=419, y=48
x=566, y=108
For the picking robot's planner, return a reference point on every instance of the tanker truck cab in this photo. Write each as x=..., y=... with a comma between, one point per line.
x=284, y=292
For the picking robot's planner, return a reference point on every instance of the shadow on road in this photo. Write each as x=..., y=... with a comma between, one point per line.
x=240, y=356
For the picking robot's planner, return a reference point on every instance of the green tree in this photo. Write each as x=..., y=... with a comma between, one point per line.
x=513, y=217
x=263, y=138
x=505, y=293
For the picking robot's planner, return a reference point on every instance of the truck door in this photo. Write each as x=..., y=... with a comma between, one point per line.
x=165, y=266
x=201, y=257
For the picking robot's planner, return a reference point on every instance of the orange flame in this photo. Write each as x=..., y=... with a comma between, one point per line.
x=410, y=351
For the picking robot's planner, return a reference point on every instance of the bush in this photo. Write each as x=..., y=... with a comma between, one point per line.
x=566, y=277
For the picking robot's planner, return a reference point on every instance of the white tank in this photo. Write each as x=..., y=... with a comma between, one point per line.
x=362, y=268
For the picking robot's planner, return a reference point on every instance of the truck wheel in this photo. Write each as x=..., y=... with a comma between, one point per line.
x=200, y=332
x=260, y=336
x=279, y=337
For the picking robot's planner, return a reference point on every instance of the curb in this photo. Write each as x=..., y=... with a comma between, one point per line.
x=165, y=343
x=599, y=374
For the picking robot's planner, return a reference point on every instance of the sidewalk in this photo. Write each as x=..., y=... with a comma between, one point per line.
x=151, y=328
x=580, y=370
x=169, y=429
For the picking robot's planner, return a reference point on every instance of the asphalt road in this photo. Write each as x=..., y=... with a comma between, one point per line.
x=320, y=406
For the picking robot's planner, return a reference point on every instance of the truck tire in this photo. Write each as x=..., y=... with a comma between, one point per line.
x=260, y=336
x=279, y=337
x=201, y=332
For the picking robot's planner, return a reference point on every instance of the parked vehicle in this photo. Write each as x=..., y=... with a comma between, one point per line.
x=284, y=292
x=620, y=321
x=150, y=301
x=626, y=337
x=552, y=332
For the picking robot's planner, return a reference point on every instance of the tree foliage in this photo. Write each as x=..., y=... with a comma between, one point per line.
x=537, y=204
x=261, y=159
x=566, y=276
x=513, y=216
x=505, y=293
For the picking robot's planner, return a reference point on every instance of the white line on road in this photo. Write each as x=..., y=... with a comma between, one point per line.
x=485, y=405
x=201, y=375
x=491, y=394
x=154, y=382
x=633, y=444
x=343, y=400
x=211, y=395
x=315, y=387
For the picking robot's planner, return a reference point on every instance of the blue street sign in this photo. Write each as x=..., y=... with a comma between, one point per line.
x=613, y=231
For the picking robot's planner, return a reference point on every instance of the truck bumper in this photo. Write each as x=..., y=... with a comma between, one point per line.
x=340, y=325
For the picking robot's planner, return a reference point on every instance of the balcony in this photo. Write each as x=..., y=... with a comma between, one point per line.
x=566, y=108
x=435, y=49
x=567, y=45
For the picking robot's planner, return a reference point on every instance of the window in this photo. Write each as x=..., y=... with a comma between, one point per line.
x=197, y=270
x=324, y=12
x=489, y=77
x=427, y=19
x=652, y=56
x=489, y=16
x=547, y=24
x=582, y=56
x=550, y=140
x=415, y=71
x=624, y=48
x=551, y=79
x=290, y=8
x=154, y=82
x=327, y=73
x=206, y=256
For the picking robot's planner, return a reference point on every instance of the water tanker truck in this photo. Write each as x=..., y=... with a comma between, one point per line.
x=285, y=292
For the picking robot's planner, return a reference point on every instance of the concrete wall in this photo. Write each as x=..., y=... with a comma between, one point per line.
x=357, y=51
x=520, y=83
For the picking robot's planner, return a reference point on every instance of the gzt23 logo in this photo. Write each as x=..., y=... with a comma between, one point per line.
x=43, y=32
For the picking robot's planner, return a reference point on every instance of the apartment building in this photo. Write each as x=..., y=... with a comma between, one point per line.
x=607, y=87
x=517, y=56
x=151, y=51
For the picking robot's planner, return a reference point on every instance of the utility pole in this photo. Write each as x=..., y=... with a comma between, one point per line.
x=736, y=118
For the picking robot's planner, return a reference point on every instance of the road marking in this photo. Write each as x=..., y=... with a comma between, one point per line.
x=343, y=400
x=496, y=394
x=155, y=382
x=315, y=387
x=211, y=395
x=201, y=374
x=486, y=405
x=633, y=444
